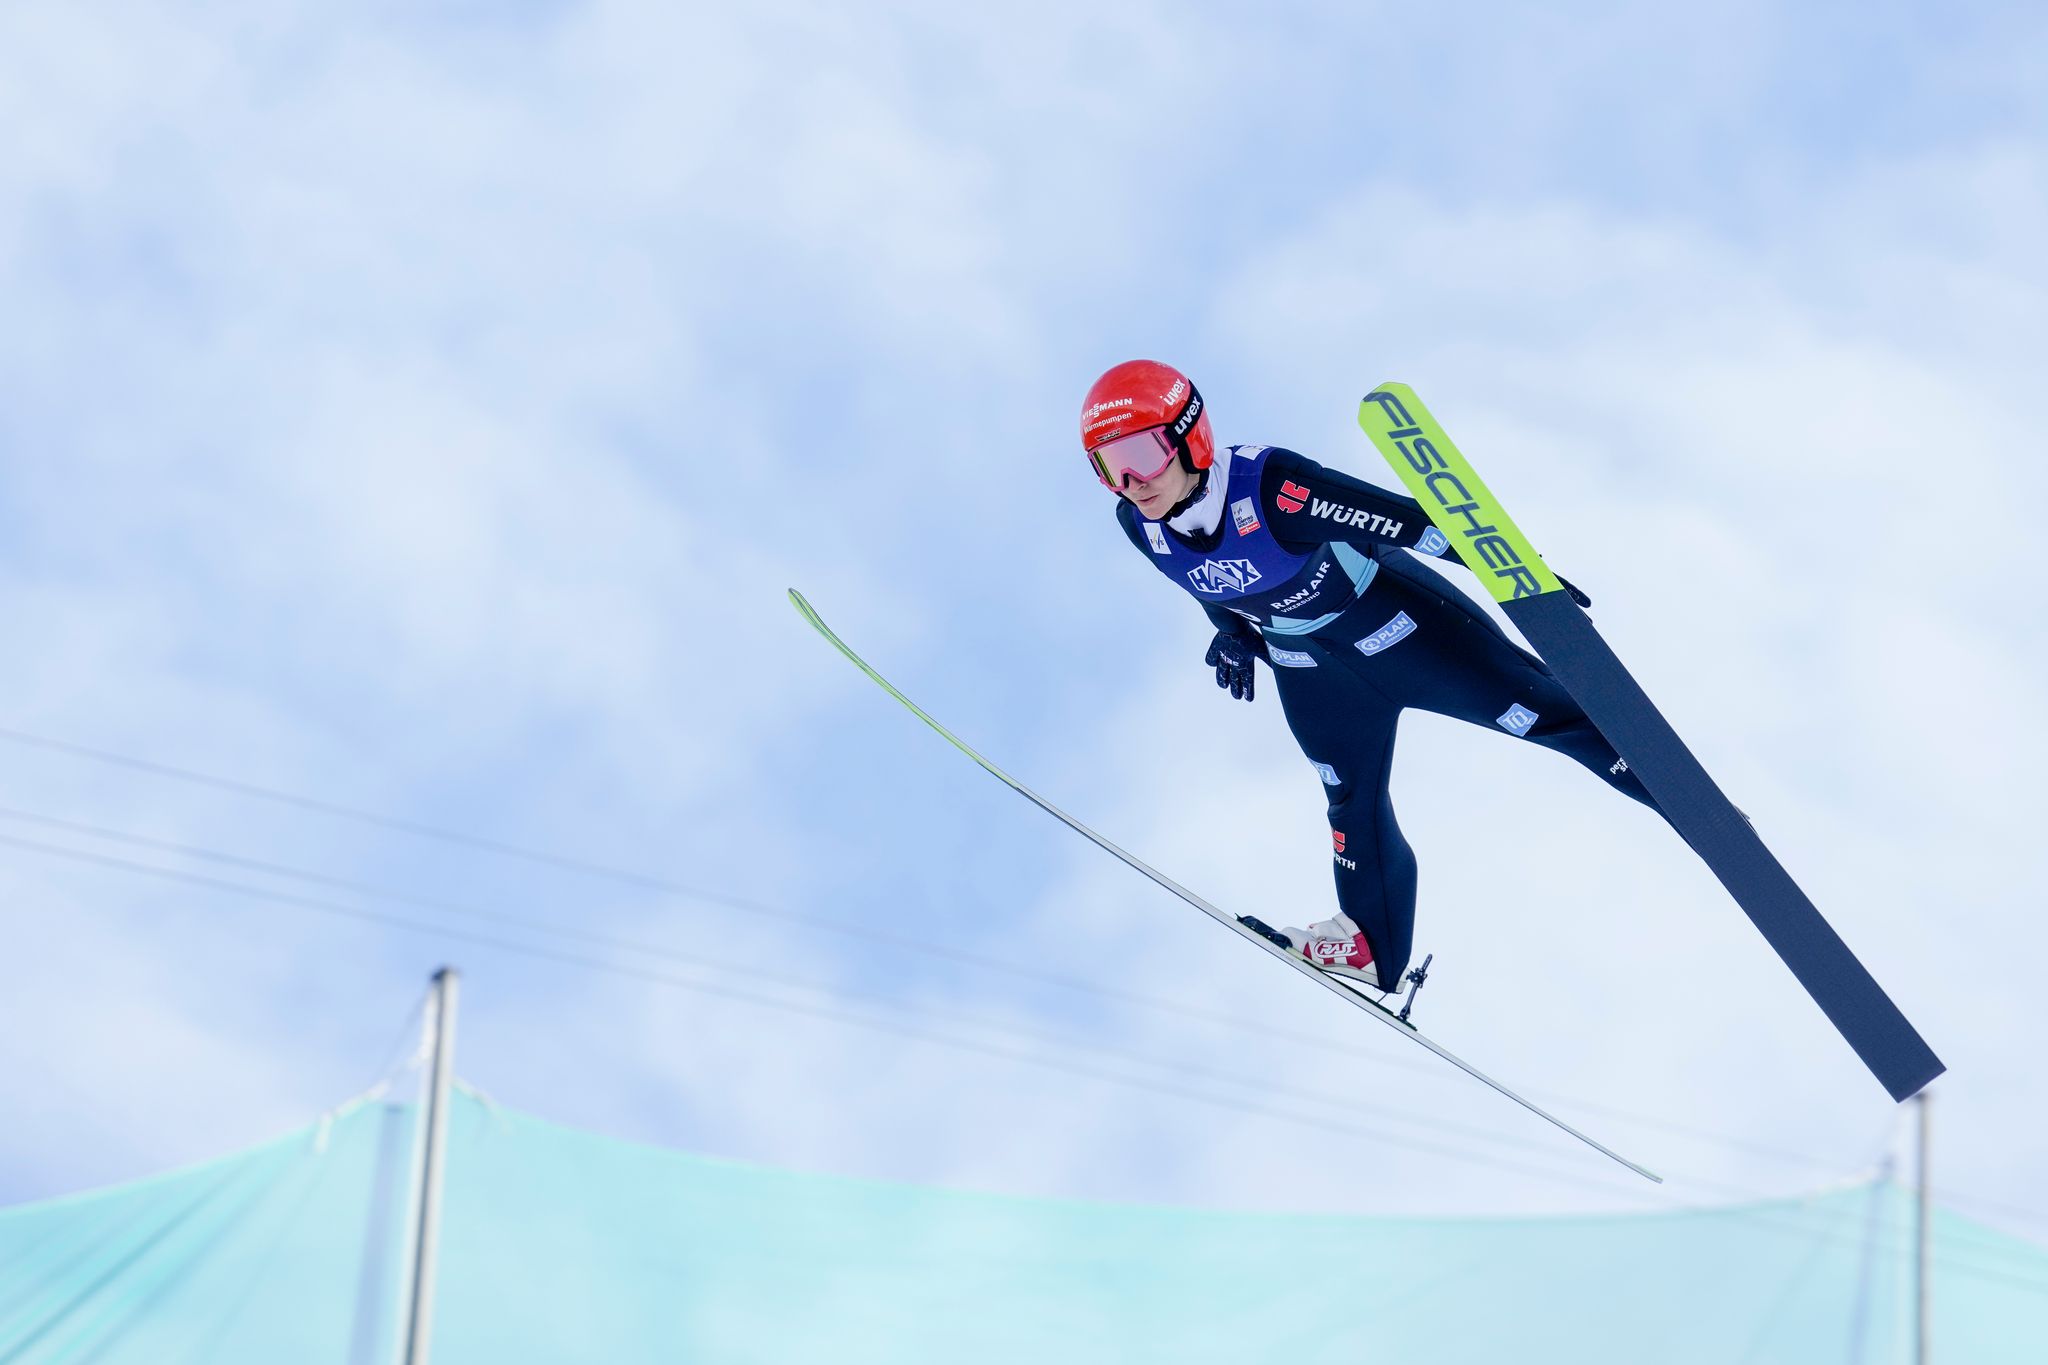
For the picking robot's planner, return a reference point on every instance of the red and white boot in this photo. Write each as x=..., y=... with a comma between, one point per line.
x=1336, y=946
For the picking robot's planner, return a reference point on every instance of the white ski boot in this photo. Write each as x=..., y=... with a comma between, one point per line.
x=1336, y=946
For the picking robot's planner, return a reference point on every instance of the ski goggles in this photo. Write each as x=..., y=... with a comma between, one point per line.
x=1142, y=455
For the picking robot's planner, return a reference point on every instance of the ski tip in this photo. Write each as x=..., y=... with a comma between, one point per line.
x=807, y=611
x=816, y=622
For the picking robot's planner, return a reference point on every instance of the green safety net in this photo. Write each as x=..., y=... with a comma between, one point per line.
x=558, y=1245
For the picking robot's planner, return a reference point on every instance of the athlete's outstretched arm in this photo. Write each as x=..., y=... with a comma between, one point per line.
x=1311, y=505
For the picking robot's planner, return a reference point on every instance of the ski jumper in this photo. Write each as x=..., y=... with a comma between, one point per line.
x=1319, y=571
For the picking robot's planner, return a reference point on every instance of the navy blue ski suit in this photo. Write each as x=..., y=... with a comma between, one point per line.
x=1319, y=572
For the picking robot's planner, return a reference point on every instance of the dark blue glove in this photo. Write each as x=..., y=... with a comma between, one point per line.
x=1231, y=655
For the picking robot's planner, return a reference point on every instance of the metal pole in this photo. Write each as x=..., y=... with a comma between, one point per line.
x=1923, y=1326
x=420, y=1316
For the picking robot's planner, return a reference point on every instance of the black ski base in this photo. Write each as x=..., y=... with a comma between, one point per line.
x=1723, y=838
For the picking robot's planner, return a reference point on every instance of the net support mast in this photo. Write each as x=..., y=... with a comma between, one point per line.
x=420, y=1300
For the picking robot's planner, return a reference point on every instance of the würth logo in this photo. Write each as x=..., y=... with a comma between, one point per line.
x=1337, y=851
x=1292, y=497
x=1356, y=516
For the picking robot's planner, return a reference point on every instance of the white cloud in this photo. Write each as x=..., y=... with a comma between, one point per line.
x=431, y=418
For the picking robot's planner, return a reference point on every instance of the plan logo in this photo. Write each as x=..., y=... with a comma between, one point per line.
x=1156, y=533
x=1245, y=512
x=1433, y=542
x=1218, y=576
x=1516, y=720
x=1292, y=497
x=1388, y=635
x=1328, y=774
x=1290, y=658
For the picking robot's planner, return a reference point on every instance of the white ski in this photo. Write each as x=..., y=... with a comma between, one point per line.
x=1231, y=922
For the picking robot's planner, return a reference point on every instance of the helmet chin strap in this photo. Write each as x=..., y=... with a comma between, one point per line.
x=1194, y=494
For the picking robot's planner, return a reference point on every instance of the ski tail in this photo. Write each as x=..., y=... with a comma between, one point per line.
x=1464, y=509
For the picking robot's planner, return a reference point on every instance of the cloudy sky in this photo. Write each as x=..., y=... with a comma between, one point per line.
x=411, y=418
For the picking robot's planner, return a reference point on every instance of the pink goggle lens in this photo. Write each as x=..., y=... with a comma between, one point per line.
x=1142, y=455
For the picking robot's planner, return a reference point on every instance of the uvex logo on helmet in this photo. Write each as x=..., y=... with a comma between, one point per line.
x=1139, y=395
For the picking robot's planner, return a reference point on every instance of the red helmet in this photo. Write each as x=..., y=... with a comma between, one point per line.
x=1144, y=397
